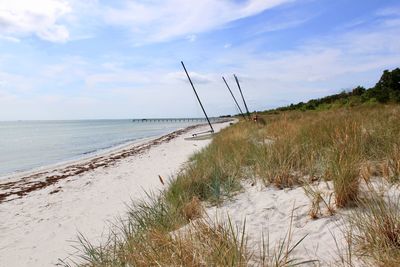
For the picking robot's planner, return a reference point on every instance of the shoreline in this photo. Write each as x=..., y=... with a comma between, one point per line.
x=18, y=174
x=90, y=153
x=41, y=227
x=19, y=184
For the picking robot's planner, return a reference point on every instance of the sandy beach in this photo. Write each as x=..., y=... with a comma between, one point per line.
x=42, y=213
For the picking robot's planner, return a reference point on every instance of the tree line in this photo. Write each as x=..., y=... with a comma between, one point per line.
x=386, y=90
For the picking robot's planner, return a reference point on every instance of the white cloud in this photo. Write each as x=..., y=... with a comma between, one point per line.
x=325, y=62
x=162, y=20
x=39, y=17
x=194, y=76
x=277, y=26
x=15, y=82
x=10, y=39
x=191, y=38
x=392, y=22
x=389, y=11
x=117, y=77
x=150, y=21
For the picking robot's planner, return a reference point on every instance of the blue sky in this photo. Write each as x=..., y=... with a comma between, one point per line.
x=73, y=59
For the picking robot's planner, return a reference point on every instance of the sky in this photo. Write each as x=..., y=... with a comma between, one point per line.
x=95, y=59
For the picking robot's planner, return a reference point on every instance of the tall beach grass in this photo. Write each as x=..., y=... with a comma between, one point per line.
x=292, y=148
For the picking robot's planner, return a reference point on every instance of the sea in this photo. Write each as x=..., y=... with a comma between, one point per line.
x=26, y=145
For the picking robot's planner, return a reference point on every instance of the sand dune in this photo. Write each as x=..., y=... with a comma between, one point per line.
x=268, y=212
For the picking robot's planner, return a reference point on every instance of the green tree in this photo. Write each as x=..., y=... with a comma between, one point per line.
x=388, y=87
x=358, y=91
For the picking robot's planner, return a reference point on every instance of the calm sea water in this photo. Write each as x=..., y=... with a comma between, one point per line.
x=25, y=145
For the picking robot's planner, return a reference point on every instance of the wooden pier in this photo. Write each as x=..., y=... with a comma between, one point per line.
x=176, y=120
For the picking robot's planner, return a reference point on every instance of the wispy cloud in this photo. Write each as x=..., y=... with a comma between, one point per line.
x=191, y=37
x=316, y=67
x=162, y=20
x=389, y=11
x=10, y=39
x=194, y=76
x=271, y=27
x=227, y=45
x=117, y=78
x=148, y=21
x=15, y=83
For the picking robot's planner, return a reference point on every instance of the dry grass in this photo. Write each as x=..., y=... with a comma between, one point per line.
x=292, y=148
x=296, y=147
x=344, y=162
x=316, y=198
x=375, y=230
x=390, y=168
x=193, y=209
x=201, y=244
x=319, y=202
x=333, y=145
x=147, y=238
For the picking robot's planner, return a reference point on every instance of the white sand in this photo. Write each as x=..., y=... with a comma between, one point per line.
x=268, y=210
x=38, y=229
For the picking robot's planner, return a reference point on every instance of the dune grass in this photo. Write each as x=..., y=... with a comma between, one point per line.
x=331, y=145
x=141, y=241
x=296, y=147
x=375, y=230
x=292, y=148
x=151, y=235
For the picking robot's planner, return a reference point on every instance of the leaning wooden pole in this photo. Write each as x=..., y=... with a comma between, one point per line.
x=198, y=99
x=234, y=98
x=244, y=101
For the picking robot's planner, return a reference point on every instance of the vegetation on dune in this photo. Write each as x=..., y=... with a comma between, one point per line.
x=387, y=90
x=375, y=230
x=347, y=145
x=293, y=148
x=331, y=145
x=146, y=238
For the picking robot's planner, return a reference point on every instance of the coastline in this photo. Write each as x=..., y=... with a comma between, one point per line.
x=79, y=141
x=18, y=184
x=37, y=226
